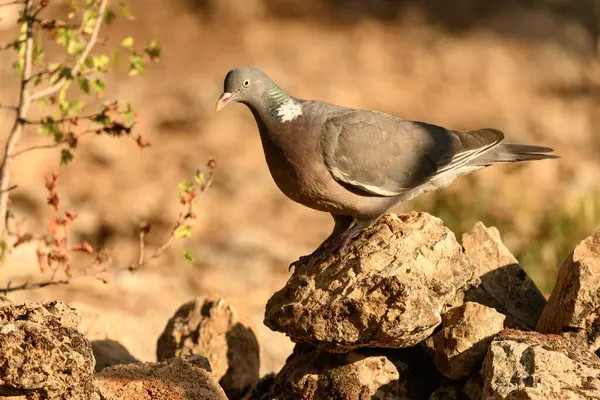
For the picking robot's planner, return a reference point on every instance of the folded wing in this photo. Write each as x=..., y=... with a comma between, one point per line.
x=382, y=155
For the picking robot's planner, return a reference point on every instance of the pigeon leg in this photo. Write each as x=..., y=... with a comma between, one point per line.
x=342, y=224
x=342, y=241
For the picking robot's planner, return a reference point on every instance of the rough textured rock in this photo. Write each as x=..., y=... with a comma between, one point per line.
x=173, y=379
x=529, y=365
x=388, y=290
x=446, y=393
x=263, y=387
x=42, y=355
x=313, y=374
x=504, y=285
x=109, y=352
x=473, y=389
x=574, y=305
x=462, y=343
x=211, y=328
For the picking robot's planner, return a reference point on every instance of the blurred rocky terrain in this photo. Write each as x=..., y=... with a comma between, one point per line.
x=527, y=67
x=391, y=317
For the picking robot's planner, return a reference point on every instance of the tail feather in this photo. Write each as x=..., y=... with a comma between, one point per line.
x=514, y=153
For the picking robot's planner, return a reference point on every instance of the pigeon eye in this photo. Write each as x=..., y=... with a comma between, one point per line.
x=246, y=83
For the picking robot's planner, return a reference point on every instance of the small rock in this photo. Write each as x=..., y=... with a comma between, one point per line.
x=529, y=365
x=173, y=379
x=446, y=393
x=312, y=374
x=389, y=290
x=574, y=305
x=504, y=285
x=462, y=343
x=263, y=387
x=473, y=388
x=109, y=352
x=211, y=328
x=42, y=354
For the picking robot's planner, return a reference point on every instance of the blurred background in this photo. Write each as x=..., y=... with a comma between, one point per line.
x=530, y=68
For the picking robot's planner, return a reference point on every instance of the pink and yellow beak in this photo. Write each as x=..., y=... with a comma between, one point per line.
x=224, y=100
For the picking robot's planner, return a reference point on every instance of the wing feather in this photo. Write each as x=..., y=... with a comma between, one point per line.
x=383, y=155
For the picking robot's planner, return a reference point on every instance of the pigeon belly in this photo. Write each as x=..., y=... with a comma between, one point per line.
x=297, y=167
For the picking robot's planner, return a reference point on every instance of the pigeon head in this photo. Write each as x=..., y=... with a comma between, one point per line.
x=251, y=86
x=246, y=85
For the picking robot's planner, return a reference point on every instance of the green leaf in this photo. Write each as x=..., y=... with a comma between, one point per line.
x=64, y=72
x=18, y=67
x=125, y=10
x=109, y=16
x=84, y=84
x=199, y=178
x=38, y=53
x=128, y=114
x=184, y=231
x=188, y=256
x=137, y=64
x=185, y=187
x=100, y=63
x=75, y=47
x=127, y=42
x=153, y=50
x=102, y=119
x=89, y=20
x=116, y=57
x=65, y=156
x=70, y=108
x=50, y=127
x=37, y=79
x=98, y=85
x=3, y=251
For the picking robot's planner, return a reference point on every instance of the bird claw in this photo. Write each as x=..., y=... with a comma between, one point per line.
x=298, y=262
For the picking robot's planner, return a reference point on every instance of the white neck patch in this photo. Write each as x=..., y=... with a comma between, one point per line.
x=289, y=110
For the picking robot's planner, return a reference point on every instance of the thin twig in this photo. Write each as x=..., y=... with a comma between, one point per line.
x=66, y=119
x=103, y=265
x=13, y=2
x=183, y=217
x=13, y=187
x=33, y=285
x=52, y=145
x=10, y=108
x=79, y=63
x=17, y=129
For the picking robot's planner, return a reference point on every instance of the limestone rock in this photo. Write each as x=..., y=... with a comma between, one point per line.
x=504, y=285
x=529, y=365
x=42, y=354
x=388, y=290
x=574, y=305
x=173, y=379
x=109, y=352
x=212, y=328
x=313, y=374
x=462, y=343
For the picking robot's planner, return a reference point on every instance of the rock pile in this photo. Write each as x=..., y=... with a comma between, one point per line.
x=406, y=313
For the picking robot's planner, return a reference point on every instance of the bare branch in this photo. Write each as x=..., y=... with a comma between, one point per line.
x=10, y=108
x=53, y=145
x=33, y=285
x=102, y=264
x=13, y=187
x=17, y=129
x=79, y=63
x=12, y=2
x=183, y=217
